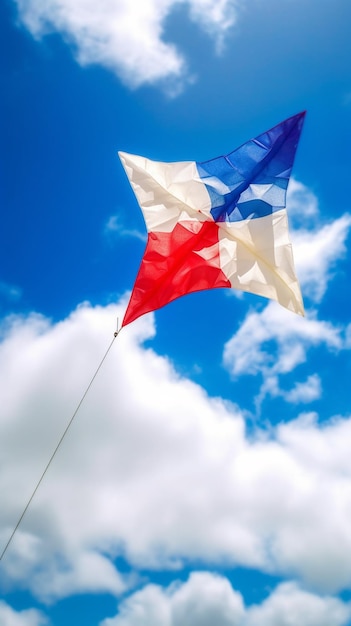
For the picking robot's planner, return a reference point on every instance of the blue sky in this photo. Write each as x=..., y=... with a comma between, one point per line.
x=207, y=477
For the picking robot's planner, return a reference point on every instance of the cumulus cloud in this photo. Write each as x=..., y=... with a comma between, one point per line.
x=317, y=247
x=306, y=391
x=289, y=605
x=204, y=599
x=250, y=351
x=207, y=599
x=301, y=393
x=316, y=253
x=30, y=617
x=153, y=469
x=273, y=343
x=126, y=37
x=301, y=202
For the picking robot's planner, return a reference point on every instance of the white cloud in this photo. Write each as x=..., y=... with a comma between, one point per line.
x=30, y=617
x=301, y=202
x=306, y=391
x=206, y=599
x=316, y=253
x=126, y=37
x=317, y=246
x=290, y=606
x=153, y=469
x=275, y=341
x=216, y=17
x=114, y=226
x=302, y=392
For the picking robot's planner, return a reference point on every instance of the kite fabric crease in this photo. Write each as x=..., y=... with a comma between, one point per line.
x=220, y=223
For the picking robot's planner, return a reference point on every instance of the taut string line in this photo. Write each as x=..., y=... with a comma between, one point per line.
x=58, y=445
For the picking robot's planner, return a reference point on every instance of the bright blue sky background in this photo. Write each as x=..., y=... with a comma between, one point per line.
x=207, y=477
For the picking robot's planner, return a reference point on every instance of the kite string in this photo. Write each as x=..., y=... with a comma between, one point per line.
x=59, y=444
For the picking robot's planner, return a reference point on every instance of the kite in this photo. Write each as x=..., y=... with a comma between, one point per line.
x=219, y=223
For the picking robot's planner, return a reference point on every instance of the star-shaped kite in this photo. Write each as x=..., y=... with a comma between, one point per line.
x=221, y=223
